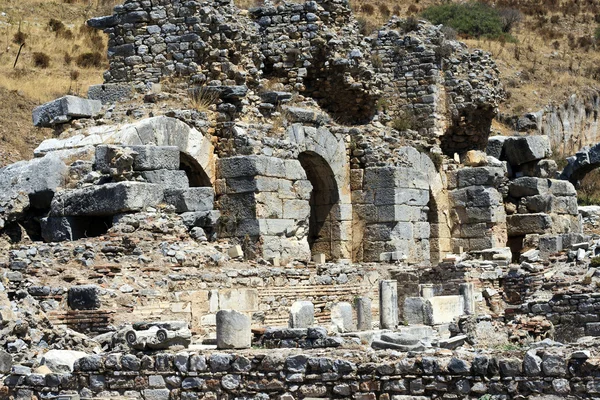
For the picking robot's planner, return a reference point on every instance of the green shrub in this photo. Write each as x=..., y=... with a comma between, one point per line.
x=404, y=122
x=470, y=19
x=595, y=262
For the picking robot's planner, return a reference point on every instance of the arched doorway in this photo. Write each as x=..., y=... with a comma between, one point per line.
x=324, y=224
x=194, y=171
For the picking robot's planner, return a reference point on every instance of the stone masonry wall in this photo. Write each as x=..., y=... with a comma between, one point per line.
x=289, y=376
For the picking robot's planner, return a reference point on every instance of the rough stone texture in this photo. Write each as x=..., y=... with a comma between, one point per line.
x=109, y=199
x=190, y=199
x=302, y=314
x=85, y=297
x=110, y=93
x=65, y=109
x=61, y=361
x=233, y=330
x=342, y=317
x=521, y=150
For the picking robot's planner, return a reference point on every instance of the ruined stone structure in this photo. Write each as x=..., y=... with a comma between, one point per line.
x=313, y=173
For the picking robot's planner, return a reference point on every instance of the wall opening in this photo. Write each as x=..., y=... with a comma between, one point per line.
x=194, y=171
x=324, y=225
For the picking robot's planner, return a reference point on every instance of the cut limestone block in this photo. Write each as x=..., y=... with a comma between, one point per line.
x=175, y=179
x=302, y=314
x=233, y=330
x=191, y=199
x=110, y=93
x=155, y=157
x=145, y=158
x=319, y=258
x=342, y=317
x=109, y=199
x=235, y=251
x=522, y=149
x=523, y=224
x=65, y=109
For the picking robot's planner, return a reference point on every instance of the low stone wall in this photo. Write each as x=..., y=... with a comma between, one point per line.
x=577, y=313
x=290, y=375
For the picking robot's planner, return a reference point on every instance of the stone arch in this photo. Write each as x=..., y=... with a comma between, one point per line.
x=324, y=159
x=197, y=151
x=196, y=148
x=584, y=161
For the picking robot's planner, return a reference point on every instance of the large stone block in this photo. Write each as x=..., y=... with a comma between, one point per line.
x=444, y=309
x=145, y=158
x=190, y=199
x=110, y=93
x=65, y=109
x=495, y=146
x=342, y=317
x=523, y=224
x=61, y=361
x=109, y=199
x=528, y=186
x=175, y=179
x=302, y=314
x=84, y=297
x=480, y=176
x=38, y=178
x=522, y=149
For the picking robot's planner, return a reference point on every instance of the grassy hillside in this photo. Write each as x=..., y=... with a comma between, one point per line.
x=58, y=55
x=550, y=54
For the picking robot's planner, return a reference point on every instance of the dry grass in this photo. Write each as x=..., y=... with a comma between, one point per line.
x=46, y=67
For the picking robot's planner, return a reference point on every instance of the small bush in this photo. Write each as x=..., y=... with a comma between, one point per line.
x=89, y=60
x=367, y=9
x=41, y=60
x=470, y=19
x=384, y=10
x=365, y=26
x=404, y=121
x=67, y=58
x=376, y=60
x=595, y=262
x=56, y=25
x=19, y=37
x=411, y=24
x=413, y=9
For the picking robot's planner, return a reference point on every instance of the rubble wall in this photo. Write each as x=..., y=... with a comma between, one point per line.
x=575, y=314
x=295, y=376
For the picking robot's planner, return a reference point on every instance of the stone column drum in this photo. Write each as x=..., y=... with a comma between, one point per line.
x=233, y=330
x=364, y=315
x=388, y=304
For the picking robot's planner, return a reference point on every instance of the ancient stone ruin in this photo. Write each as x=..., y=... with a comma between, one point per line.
x=269, y=204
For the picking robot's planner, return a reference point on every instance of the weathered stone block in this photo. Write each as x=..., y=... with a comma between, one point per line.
x=65, y=109
x=495, y=146
x=523, y=224
x=302, y=314
x=174, y=179
x=110, y=93
x=342, y=317
x=233, y=330
x=480, y=176
x=109, y=199
x=190, y=199
x=85, y=297
x=528, y=186
x=523, y=149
